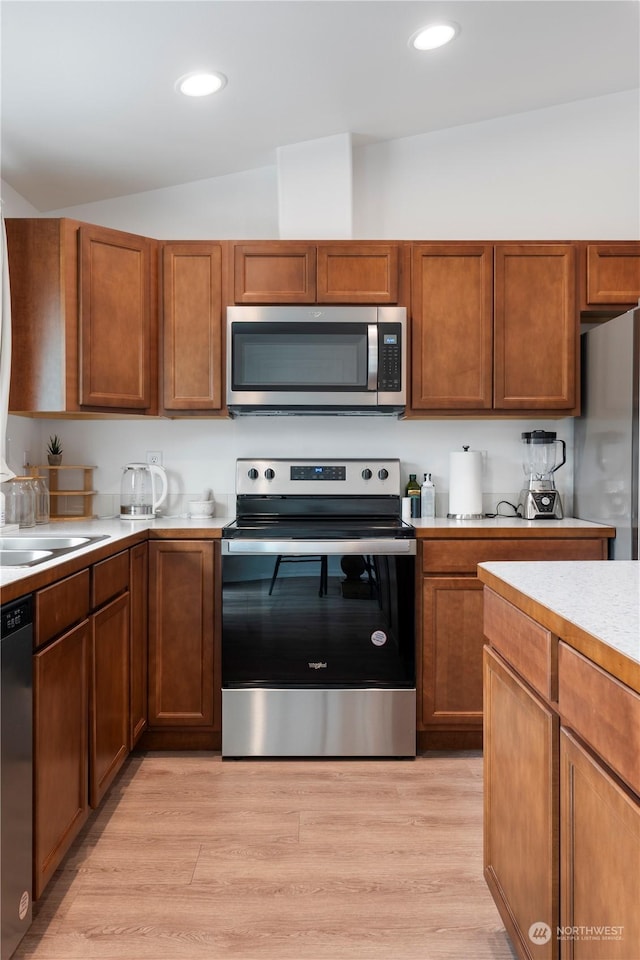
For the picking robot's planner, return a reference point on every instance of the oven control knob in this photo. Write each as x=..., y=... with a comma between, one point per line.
x=253, y=474
x=366, y=474
x=383, y=474
x=269, y=474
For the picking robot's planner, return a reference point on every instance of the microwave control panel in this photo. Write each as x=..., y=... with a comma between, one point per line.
x=389, y=357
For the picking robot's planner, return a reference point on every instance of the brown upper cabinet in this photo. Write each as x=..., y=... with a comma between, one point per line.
x=452, y=328
x=609, y=277
x=84, y=318
x=495, y=327
x=192, y=334
x=299, y=272
x=536, y=330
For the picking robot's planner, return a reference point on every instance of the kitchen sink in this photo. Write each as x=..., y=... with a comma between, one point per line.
x=23, y=558
x=28, y=550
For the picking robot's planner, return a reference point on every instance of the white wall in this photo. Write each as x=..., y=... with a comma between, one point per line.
x=201, y=454
x=315, y=189
x=13, y=205
x=236, y=207
x=568, y=172
x=565, y=173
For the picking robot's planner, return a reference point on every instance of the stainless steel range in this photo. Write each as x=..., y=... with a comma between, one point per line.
x=318, y=579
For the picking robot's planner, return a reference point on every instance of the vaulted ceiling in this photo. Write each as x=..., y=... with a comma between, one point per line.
x=90, y=111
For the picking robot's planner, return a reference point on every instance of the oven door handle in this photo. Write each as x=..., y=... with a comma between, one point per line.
x=366, y=547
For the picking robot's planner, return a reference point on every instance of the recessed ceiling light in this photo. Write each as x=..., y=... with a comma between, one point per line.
x=200, y=84
x=435, y=35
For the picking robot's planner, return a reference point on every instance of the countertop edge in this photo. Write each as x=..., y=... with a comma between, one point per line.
x=17, y=582
x=498, y=530
x=121, y=535
x=611, y=660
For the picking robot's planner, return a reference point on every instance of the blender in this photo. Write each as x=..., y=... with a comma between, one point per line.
x=540, y=500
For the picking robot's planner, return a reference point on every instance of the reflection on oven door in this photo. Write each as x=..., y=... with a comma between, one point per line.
x=318, y=621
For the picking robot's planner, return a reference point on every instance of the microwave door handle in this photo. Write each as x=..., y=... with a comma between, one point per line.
x=372, y=353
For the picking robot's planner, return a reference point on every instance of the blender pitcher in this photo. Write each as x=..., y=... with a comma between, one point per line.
x=139, y=499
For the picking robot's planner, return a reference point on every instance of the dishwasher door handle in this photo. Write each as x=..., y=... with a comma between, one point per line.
x=373, y=547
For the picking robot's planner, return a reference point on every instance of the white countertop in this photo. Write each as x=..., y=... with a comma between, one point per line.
x=506, y=523
x=113, y=530
x=600, y=597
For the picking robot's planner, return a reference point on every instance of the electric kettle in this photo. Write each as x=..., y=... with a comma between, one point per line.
x=139, y=498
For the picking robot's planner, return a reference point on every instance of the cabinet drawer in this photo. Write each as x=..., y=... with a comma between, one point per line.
x=601, y=710
x=61, y=605
x=462, y=556
x=526, y=645
x=110, y=577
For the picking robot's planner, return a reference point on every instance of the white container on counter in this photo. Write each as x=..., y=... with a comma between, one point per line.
x=465, y=485
x=201, y=508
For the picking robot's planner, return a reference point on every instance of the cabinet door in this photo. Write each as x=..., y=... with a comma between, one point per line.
x=600, y=859
x=60, y=679
x=192, y=326
x=536, y=327
x=118, y=323
x=138, y=640
x=521, y=809
x=181, y=633
x=452, y=641
x=274, y=272
x=109, y=699
x=452, y=308
x=357, y=273
x=612, y=276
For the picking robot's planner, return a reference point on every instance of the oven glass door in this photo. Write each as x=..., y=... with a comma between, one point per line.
x=318, y=620
x=303, y=357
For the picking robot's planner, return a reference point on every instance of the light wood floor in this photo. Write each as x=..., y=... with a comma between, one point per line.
x=194, y=857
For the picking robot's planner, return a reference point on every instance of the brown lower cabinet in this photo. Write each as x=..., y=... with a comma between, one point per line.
x=521, y=808
x=109, y=699
x=561, y=804
x=138, y=636
x=599, y=857
x=181, y=633
x=450, y=609
x=61, y=783
x=81, y=702
x=109, y=688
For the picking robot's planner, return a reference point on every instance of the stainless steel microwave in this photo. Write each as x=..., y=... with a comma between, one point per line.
x=316, y=360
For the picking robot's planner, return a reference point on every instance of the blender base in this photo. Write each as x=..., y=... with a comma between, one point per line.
x=541, y=505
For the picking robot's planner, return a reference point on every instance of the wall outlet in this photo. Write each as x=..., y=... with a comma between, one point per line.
x=154, y=456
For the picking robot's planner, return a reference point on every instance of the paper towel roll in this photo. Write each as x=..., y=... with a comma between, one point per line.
x=465, y=484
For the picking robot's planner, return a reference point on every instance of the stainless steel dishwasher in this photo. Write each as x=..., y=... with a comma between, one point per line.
x=16, y=772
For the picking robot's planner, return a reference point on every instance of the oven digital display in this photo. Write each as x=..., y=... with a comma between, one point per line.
x=318, y=472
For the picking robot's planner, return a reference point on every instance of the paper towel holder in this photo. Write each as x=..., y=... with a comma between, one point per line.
x=463, y=515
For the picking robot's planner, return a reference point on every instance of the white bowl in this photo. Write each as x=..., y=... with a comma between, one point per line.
x=201, y=508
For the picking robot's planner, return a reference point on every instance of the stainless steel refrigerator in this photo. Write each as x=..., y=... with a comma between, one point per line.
x=607, y=444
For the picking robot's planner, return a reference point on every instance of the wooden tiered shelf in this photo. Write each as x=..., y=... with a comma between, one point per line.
x=56, y=493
